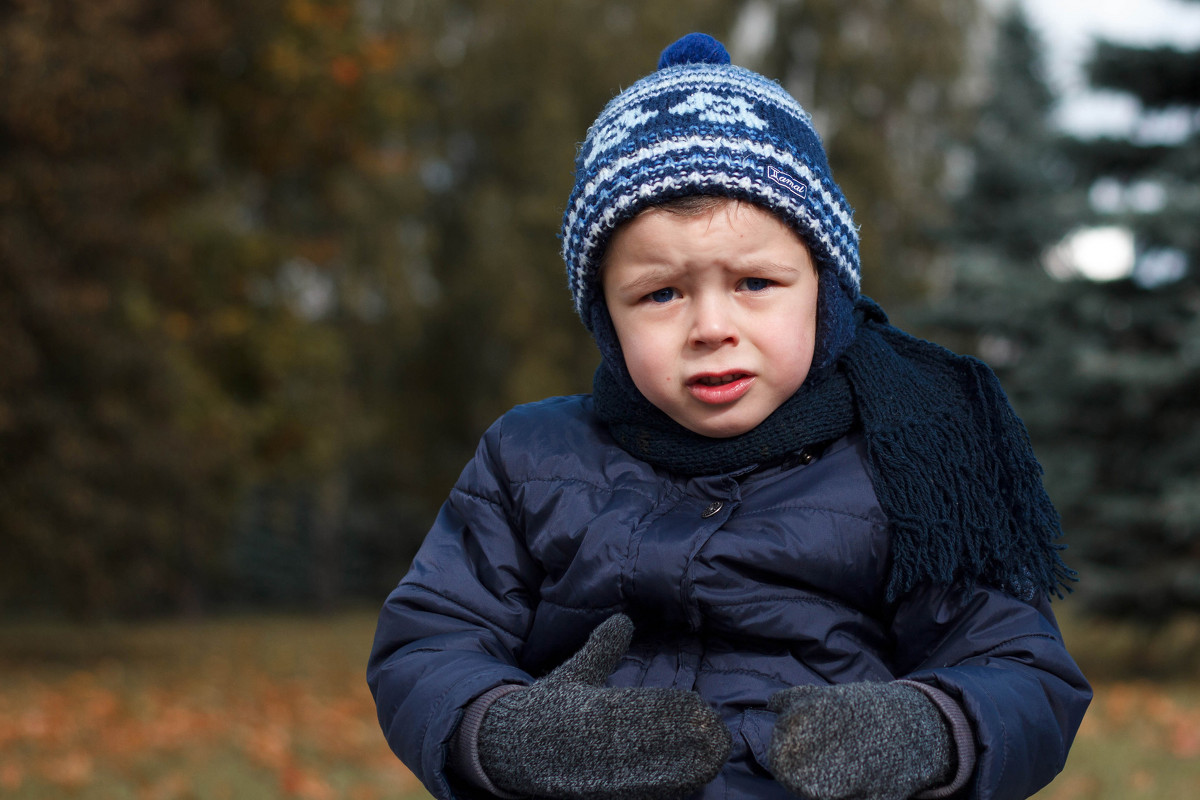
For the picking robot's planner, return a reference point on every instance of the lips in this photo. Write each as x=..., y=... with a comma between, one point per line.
x=719, y=388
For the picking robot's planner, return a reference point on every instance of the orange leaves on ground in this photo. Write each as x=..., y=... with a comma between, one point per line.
x=1158, y=718
x=1139, y=741
x=313, y=737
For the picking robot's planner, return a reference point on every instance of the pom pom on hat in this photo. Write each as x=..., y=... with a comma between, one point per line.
x=695, y=48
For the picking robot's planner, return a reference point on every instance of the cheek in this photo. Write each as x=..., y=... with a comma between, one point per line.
x=793, y=346
x=794, y=366
x=646, y=364
x=808, y=337
x=630, y=337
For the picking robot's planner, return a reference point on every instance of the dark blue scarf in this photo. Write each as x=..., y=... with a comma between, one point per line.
x=949, y=459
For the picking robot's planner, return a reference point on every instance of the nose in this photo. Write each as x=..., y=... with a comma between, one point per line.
x=713, y=323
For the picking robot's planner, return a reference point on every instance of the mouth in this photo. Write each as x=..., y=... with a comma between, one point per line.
x=720, y=388
x=719, y=380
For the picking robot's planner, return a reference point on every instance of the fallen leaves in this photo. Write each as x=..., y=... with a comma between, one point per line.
x=222, y=719
x=1155, y=717
x=1139, y=740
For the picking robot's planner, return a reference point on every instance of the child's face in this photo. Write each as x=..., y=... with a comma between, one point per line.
x=716, y=313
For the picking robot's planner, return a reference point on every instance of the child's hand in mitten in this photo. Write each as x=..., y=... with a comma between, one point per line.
x=859, y=741
x=569, y=736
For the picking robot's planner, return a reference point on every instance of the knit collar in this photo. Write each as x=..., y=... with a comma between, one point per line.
x=819, y=412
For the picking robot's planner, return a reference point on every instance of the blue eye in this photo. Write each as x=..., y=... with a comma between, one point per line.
x=662, y=295
x=756, y=284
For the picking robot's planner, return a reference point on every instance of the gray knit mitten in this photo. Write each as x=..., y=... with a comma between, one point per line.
x=568, y=736
x=859, y=741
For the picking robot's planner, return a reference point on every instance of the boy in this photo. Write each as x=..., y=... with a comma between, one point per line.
x=812, y=553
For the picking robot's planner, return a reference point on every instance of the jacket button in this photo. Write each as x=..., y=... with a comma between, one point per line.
x=713, y=507
x=806, y=458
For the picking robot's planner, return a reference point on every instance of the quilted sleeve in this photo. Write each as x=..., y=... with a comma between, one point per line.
x=1004, y=661
x=455, y=625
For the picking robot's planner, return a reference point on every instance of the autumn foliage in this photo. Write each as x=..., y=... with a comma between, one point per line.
x=178, y=182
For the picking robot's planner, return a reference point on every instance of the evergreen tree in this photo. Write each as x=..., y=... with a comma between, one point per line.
x=1105, y=374
x=1141, y=364
x=1018, y=199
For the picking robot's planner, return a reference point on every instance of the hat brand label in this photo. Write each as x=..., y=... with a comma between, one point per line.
x=787, y=181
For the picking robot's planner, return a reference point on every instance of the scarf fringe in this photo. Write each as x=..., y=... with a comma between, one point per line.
x=952, y=467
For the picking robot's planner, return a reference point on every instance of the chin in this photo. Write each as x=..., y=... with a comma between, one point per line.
x=719, y=430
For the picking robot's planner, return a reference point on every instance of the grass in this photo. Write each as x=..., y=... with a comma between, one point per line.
x=277, y=707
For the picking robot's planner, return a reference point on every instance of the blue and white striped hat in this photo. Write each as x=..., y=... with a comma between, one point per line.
x=699, y=125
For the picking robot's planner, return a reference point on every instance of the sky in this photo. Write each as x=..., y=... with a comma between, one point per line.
x=1068, y=27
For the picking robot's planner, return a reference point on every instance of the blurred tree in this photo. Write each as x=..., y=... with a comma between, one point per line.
x=116, y=452
x=519, y=88
x=884, y=82
x=1015, y=199
x=518, y=85
x=307, y=107
x=1104, y=374
x=183, y=251
x=1137, y=352
x=1015, y=205
x=267, y=269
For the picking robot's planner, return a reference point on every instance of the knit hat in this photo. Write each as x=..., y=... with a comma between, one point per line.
x=701, y=126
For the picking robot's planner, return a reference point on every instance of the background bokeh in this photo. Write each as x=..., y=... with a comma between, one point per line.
x=268, y=268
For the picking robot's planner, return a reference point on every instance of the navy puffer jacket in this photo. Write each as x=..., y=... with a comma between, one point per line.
x=740, y=585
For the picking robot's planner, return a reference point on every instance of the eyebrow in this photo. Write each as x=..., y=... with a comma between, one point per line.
x=767, y=268
x=649, y=279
